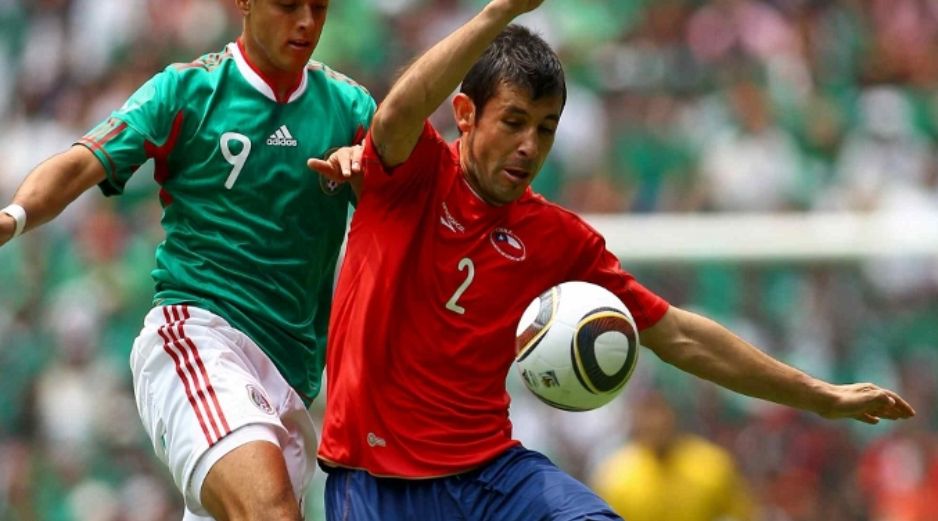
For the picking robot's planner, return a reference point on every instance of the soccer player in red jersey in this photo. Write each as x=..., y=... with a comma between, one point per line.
x=447, y=247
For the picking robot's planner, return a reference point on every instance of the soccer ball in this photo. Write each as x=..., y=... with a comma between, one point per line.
x=576, y=346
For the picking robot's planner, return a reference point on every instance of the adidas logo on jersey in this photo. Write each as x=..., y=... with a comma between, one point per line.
x=281, y=138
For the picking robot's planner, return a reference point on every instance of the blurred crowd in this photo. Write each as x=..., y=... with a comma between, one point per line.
x=674, y=106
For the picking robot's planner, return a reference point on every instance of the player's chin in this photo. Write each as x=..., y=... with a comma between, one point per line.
x=508, y=196
x=297, y=57
x=512, y=190
x=297, y=62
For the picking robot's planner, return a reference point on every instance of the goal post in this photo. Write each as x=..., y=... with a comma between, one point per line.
x=789, y=237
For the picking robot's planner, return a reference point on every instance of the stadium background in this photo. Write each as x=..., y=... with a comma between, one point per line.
x=677, y=107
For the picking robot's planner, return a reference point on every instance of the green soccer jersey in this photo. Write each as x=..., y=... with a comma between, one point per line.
x=252, y=234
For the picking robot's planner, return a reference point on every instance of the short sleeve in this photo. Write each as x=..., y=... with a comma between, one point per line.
x=363, y=110
x=596, y=264
x=430, y=156
x=127, y=138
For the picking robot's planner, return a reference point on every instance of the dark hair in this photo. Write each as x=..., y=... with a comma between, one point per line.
x=520, y=58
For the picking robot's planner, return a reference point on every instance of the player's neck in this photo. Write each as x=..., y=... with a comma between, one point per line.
x=469, y=177
x=475, y=189
x=283, y=83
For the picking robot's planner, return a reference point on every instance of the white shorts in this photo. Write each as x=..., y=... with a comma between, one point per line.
x=203, y=389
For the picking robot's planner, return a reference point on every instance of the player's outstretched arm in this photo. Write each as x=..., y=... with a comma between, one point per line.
x=398, y=123
x=51, y=186
x=708, y=350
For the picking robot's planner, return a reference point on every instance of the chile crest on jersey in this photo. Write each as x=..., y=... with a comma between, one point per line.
x=507, y=244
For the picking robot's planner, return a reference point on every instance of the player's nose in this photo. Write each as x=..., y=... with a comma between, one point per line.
x=528, y=145
x=306, y=17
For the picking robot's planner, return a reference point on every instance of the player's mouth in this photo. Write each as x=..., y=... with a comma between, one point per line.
x=517, y=175
x=300, y=45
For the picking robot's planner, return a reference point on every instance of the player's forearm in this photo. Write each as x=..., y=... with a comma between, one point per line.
x=702, y=347
x=430, y=79
x=52, y=185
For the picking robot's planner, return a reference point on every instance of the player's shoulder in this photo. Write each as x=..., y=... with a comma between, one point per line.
x=207, y=62
x=336, y=79
x=187, y=81
x=535, y=204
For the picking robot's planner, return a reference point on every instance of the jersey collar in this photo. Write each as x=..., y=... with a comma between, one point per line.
x=257, y=81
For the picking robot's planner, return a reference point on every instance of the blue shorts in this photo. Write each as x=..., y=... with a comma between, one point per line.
x=519, y=485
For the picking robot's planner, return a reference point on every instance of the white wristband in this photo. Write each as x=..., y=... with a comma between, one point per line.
x=19, y=216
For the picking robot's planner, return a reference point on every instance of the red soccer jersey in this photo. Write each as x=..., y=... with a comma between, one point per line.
x=423, y=321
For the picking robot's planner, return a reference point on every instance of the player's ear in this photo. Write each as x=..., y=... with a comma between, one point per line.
x=244, y=6
x=465, y=112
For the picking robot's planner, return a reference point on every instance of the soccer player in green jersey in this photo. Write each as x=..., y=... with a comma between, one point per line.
x=231, y=354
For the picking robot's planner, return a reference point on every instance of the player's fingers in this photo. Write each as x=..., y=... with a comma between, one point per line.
x=867, y=418
x=326, y=168
x=883, y=400
x=345, y=161
x=890, y=405
x=892, y=410
x=318, y=165
x=357, y=152
x=900, y=406
x=351, y=158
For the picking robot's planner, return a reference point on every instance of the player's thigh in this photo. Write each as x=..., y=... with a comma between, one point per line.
x=250, y=482
x=523, y=485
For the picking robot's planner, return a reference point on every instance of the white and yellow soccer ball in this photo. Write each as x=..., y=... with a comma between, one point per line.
x=576, y=346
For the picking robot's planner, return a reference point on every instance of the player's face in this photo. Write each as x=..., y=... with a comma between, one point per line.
x=283, y=33
x=503, y=150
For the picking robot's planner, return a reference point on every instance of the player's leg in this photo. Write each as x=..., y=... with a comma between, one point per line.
x=250, y=482
x=523, y=485
x=264, y=478
x=221, y=417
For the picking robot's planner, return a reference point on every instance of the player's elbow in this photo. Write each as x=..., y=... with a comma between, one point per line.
x=394, y=137
x=672, y=339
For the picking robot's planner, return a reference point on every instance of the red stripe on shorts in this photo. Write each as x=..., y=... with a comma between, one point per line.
x=191, y=357
x=165, y=334
x=193, y=362
x=208, y=383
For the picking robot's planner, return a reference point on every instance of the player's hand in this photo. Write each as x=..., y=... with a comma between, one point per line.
x=341, y=164
x=868, y=403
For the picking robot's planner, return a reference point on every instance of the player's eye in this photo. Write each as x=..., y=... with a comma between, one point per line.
x=546, y=130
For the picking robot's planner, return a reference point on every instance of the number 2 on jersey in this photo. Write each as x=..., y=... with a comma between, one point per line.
x=236, y=160
x=464, y=264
